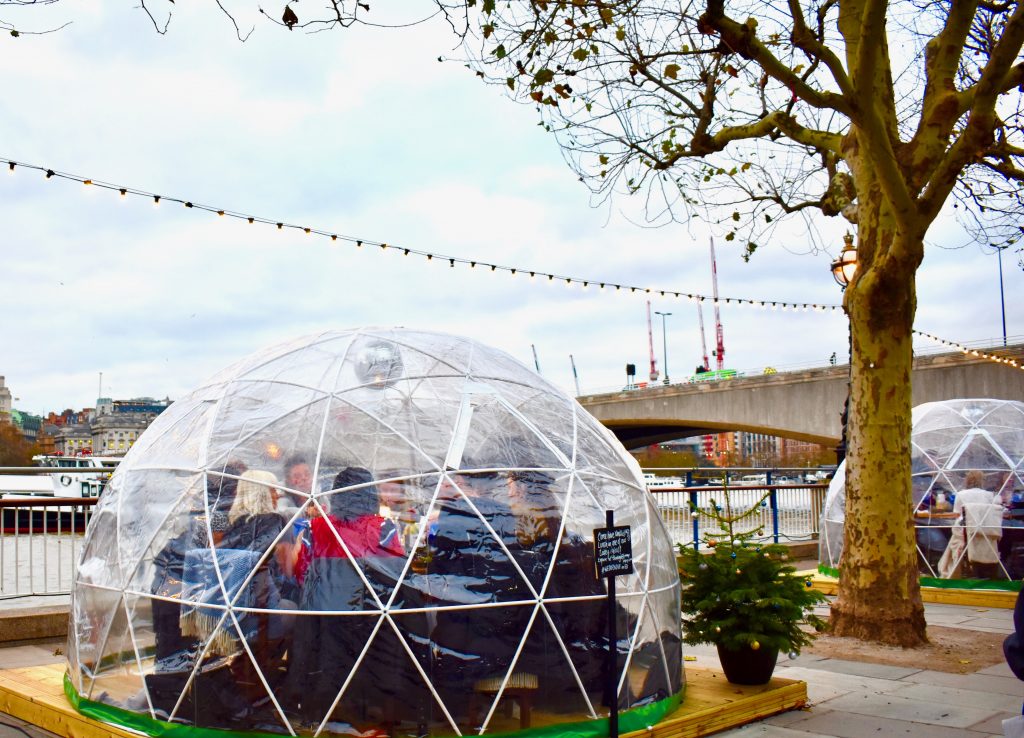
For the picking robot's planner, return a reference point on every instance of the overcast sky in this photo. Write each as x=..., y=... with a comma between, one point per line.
x=360, y=132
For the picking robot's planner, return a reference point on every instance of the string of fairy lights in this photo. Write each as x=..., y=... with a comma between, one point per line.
x=453, y=261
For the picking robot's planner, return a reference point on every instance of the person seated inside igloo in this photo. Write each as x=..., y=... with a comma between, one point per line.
x=350, y=533
x=174, y=651
x=973, y=549
x=255, y=525
x=253, y=555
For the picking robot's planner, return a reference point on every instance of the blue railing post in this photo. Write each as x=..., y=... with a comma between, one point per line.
x=689, y=478
x=768, y=477
x=696, y=525
x=774, y=501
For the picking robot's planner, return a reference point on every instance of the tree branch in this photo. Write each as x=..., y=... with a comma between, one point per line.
x=742, y=39
x=977, y=134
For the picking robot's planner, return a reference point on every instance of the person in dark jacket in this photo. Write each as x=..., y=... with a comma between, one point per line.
x=1013, y=645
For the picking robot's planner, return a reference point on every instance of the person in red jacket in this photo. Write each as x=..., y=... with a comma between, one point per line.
x=350, y=547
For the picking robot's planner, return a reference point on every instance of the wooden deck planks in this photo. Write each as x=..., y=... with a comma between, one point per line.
x=36, y=695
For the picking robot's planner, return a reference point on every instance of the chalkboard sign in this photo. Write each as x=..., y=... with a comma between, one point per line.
x=613, y=551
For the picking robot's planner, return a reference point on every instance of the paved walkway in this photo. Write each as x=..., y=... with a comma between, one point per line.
x=852, y=699
x=848, y=699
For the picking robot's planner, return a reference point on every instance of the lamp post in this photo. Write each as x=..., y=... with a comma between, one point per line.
x=664, y=344
x=843, y=270
x=1002, y=295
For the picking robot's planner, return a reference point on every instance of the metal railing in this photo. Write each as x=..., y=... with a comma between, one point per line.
x=40, y=543
x=784, y=512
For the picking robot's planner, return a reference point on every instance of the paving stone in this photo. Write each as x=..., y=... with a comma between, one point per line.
x=826, y=685
x=968, y=626
x=785, y=719
x=846, y=725
x=993, y=724
x=964, y=696
x=17, y=656
x=861, y=668
x=901, y=708
x=1000, y=669
x=993, y=624
x=979, y=682
x=764, y=730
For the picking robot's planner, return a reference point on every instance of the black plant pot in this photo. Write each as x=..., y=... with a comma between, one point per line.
x=747, y=666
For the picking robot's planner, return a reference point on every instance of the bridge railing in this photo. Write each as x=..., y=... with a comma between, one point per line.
x=783, y=512
x=40, y=542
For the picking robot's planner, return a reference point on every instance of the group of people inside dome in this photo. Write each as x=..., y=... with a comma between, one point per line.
x=974, y=533
x=265, y=604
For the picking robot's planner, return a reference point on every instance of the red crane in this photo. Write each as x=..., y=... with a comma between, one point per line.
x=719, y=339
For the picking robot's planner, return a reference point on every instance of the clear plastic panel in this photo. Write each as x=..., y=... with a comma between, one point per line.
x=260, y=424
x=94, y=609
x=96, y=565
x=175, y=439
x=152, y=503
x=118, y=678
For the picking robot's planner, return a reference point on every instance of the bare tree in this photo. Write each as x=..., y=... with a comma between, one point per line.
x=878, y=111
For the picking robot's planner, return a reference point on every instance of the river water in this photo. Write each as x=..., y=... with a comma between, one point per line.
x=37, y=569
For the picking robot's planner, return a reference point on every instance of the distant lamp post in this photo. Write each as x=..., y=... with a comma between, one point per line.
x=845, y=266
x=664, y=344
x=843, y=270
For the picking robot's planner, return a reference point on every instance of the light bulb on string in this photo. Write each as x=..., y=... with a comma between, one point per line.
x=10, y=167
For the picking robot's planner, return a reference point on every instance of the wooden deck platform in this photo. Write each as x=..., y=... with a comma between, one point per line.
x=947, y=596
x=36, y=695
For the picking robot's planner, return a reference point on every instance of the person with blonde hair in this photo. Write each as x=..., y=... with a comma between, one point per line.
x=256, y=494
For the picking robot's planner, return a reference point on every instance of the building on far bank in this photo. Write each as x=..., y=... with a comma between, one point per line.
x=73, y=440
x=5, y=402
x=114, y=433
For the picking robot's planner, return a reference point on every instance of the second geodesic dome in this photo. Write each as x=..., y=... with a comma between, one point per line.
x=956, y=445
x=371, y=531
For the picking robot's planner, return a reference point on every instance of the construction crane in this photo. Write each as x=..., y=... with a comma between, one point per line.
x=650, y=343
x=703, y=341
x=719, y=339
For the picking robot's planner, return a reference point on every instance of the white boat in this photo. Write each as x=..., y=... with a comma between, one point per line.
x=61, y=483
x=750, y=480
x=654, y=482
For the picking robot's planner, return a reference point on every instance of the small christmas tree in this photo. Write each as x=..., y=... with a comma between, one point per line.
x=743, y=594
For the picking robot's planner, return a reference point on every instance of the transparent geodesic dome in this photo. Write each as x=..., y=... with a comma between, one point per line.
x=377, y=531
x=967, y=472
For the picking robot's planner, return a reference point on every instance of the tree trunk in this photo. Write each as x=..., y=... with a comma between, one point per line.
x=879, y=593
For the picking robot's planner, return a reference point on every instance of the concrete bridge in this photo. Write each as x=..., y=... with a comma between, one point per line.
x=805, y=405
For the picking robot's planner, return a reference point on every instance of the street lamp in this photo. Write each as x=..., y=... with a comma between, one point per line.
x=843, y=270
x=845, y=266
x=1002, y=295
x=664, y=344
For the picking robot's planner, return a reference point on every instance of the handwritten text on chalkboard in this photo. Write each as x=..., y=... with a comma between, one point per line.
x=613, y=551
